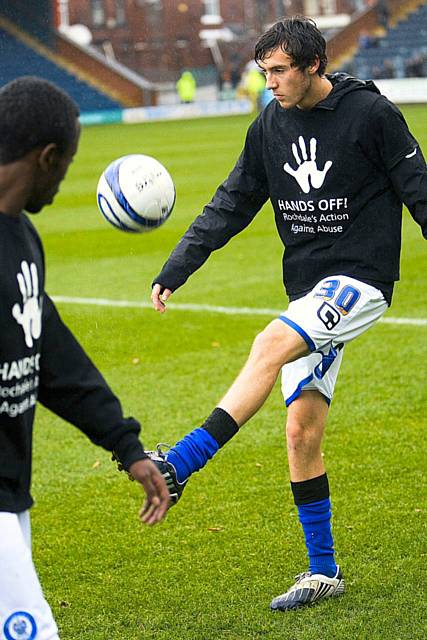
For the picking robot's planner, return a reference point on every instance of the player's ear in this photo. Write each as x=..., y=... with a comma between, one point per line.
x=48, y=156
x=313, y=67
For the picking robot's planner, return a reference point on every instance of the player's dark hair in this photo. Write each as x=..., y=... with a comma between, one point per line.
x=34, y=113
x=299, y=37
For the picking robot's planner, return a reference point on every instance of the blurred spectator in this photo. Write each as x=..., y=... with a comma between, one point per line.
x=220, y=78
x=389, y=70
x=255, y=84
x=186, y=87
x=376, y=72
x=350, y=68
x=415, y=67
x=366, y=40
x=226, y=90
x=383, y=13
x=235, y=76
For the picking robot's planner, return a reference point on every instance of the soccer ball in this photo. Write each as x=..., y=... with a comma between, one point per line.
x=136, y=193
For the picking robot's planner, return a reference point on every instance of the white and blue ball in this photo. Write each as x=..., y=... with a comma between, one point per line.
x=136, y=193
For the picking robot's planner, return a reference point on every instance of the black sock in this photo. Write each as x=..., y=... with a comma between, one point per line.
x=221, y=426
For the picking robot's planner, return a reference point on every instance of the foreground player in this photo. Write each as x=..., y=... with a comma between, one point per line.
x=336, y=160
x=39, y=357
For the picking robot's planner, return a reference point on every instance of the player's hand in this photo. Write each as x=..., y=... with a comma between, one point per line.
x=157, y=501
x=159, y=296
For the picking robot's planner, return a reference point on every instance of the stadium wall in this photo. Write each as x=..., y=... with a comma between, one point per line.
x=400, y=91
x=169, y=112
x=404, y=90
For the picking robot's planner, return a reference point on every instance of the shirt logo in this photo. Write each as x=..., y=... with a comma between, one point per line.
x=20, y=626
x=411, y=155
x=30, y=316
x=307, y=174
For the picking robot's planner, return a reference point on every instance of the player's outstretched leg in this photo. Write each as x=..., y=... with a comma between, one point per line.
x=192, y=452
x=275, y=345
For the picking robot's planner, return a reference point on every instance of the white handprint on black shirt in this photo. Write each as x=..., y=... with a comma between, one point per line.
x=307, y=168
x=30, y=317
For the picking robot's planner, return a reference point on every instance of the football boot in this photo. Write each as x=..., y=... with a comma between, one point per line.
x=159, y=458
x=309, y=588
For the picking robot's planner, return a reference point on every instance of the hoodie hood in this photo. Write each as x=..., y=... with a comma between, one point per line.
x=342, y=84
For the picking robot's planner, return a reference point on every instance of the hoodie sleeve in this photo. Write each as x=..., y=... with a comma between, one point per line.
x=403, y=159
x=73, y=388
x=234, y=205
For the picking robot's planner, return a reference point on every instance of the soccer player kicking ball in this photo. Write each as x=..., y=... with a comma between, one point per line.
x=40, y=360
x=337, y=161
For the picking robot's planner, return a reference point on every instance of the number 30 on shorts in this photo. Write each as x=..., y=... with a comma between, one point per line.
x=345, y=299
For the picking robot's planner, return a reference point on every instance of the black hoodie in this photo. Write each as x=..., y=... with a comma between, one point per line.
x=336, y=175
x=40, y=360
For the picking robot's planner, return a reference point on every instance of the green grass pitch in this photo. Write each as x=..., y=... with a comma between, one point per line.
x=209, y=571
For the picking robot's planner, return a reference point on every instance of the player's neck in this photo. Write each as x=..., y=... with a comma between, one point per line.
x=320, y=88
x=13, y=189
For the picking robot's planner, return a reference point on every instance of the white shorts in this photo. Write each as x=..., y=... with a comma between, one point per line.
x=335, y=312
x=24, y=612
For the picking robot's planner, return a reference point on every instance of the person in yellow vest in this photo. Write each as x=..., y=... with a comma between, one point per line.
x=255, y=84
x=186, y=87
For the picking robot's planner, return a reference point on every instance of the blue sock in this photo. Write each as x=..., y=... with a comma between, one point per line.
x=192, y=452
x=315, y=519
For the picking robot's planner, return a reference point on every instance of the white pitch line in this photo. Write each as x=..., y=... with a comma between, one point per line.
x=207, y=308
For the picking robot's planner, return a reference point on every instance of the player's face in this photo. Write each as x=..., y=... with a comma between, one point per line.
x=50, y=175
x=291, y=87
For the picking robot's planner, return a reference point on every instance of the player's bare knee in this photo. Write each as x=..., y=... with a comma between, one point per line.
x=301, y=434
x=271, y=346
x=264, y=353
x=296, y=434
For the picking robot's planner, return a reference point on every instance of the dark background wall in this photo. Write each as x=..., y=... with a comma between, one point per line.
x=37, y=18
x=160, y=38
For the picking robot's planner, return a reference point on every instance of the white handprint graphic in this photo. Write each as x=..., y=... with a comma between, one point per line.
x=307, y=168
x=30, y=317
